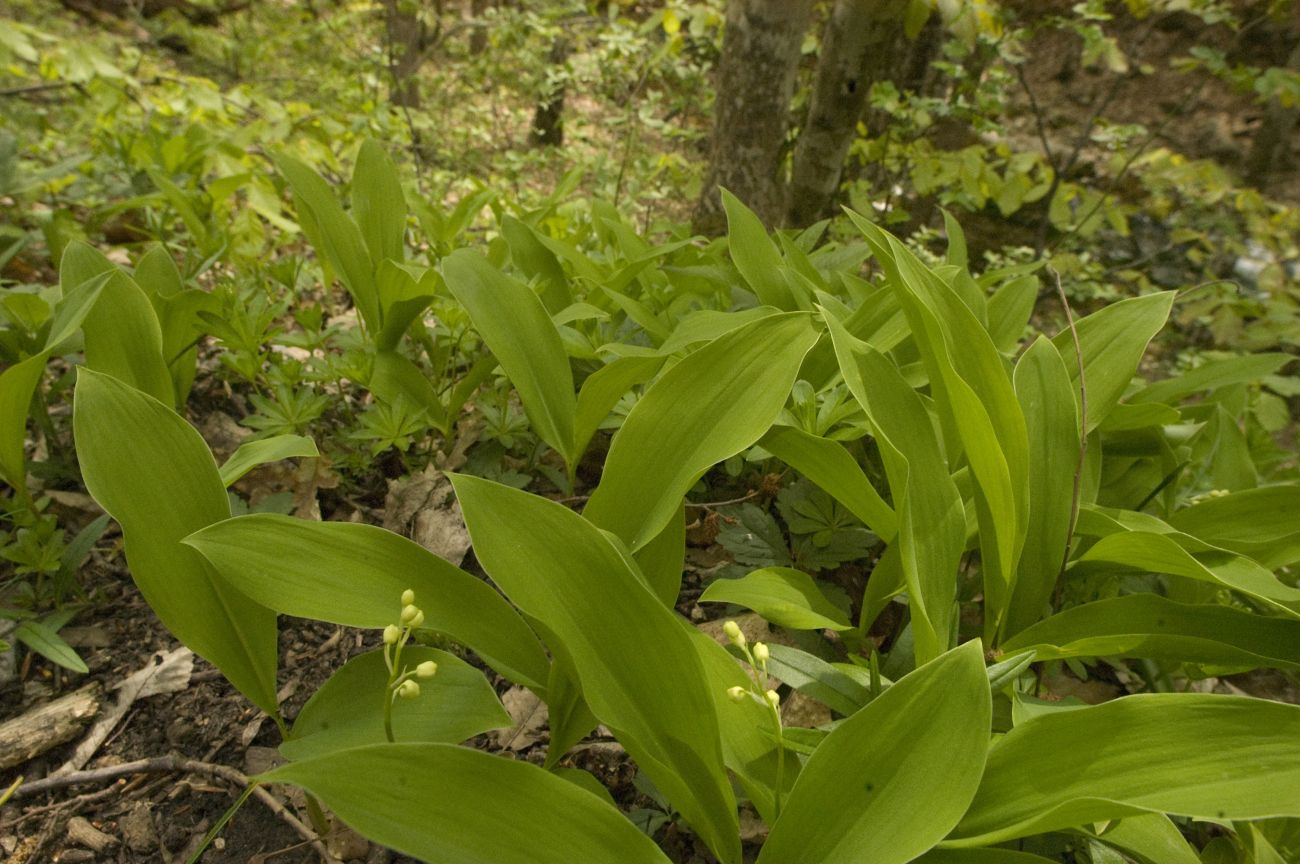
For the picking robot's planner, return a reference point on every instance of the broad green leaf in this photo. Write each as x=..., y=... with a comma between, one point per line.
x=827, y=464
x=157, y=275
x=1147, y=625
x=1052, y=421
x=1203, y=756
x=783, y=596
x=756, y=256
x=348, y=710
x=254, y=453
x=705, y=325
x=124, y=339
x=534, y=260
x=79, y=264
x=1113, y=340
x=394, y=378
x=1262, y=523
x=892, y=780
x=1152, y=837
x=401, y=300
x=639, y=672
x=813, y=676
x=353, y=574
x=47, y=642
x=150, y=469
x=710, y=406
x=1010, y=308
x=378, y=205
x=981, y=856
x=516, y=327
x=454, y=805
x=1211, y=375
x=344, y=247
x=663, y=560
x=1160, y=553
x=601, y=392
x=77, y=302
x=931, y=519
x=17, y=386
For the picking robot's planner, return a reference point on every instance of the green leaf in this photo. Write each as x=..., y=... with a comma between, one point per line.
x=663, y=559
x=440, y=802
x=378, y=205
x=335, y=235
x=47, y=642
x=827, y=464
x=931, y=518
x=813, y=676
x=124, y=339
x=1207, y=757
x=348, y=710
x=638, y=669
x=861, y=796
x=1147, y=625
x=756, y=256
x=395, y=378
x=516, y=327
x=1263, y=523
x=150, y=469
x=254, y=453
x=1043, y=387
x=602, y=390
x=1160, y=553
x=17, y=386
x=1151, y=837
x=1113, y=340
x=783, y=596
x=353, y=574
x=981, y=856
x=1211, y=375
x=710, y=406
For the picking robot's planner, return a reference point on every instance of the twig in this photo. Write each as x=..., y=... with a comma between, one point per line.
x=1083, y=436
x=165, y=764
x=710, y=505
x=35, y=88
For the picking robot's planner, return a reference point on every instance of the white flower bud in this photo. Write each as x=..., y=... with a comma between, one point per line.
x=408, y=689
x=408, y=614
x=772, y=698
x=417, y=620
x=761, y=653
x=392, y=633
x=408, y=597
x=732, y=629
x=427, y=669
x=736, y=694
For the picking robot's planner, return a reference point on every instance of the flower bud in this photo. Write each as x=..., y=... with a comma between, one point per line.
x=427, y=669
x=761, y=653
x=408, y=689
x=417, y=620
x=408, y=614
x=736, y=694
x=732, y=629
x=408, y=597
x=392, y=633
x=772, y=698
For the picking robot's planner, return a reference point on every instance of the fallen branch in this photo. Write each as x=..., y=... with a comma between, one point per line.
x=167, y=764
x=47, y=726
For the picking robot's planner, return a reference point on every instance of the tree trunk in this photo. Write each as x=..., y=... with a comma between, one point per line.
x=756, y=75
x=1271, y=152
x=408, y=40
x=478, y=35
x=548, y=117
x=860, y=44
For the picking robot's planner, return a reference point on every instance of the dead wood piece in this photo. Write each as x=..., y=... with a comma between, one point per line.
x=47, y=726
x=81, y=832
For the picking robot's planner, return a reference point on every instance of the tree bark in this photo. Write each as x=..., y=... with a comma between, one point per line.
x=408, y=39
x=756, y=75
x=548, y=116
x=1271, y=151
x=861, y=42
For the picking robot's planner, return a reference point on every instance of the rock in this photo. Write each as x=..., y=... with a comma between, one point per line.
x=137, y=828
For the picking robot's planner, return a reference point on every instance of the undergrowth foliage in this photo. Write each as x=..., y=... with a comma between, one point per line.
x=1021, y=500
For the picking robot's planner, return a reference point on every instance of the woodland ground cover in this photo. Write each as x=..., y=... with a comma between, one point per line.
x=511, y=519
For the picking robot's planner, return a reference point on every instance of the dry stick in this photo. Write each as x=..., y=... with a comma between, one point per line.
x=162, y=764
x=1083, y=438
